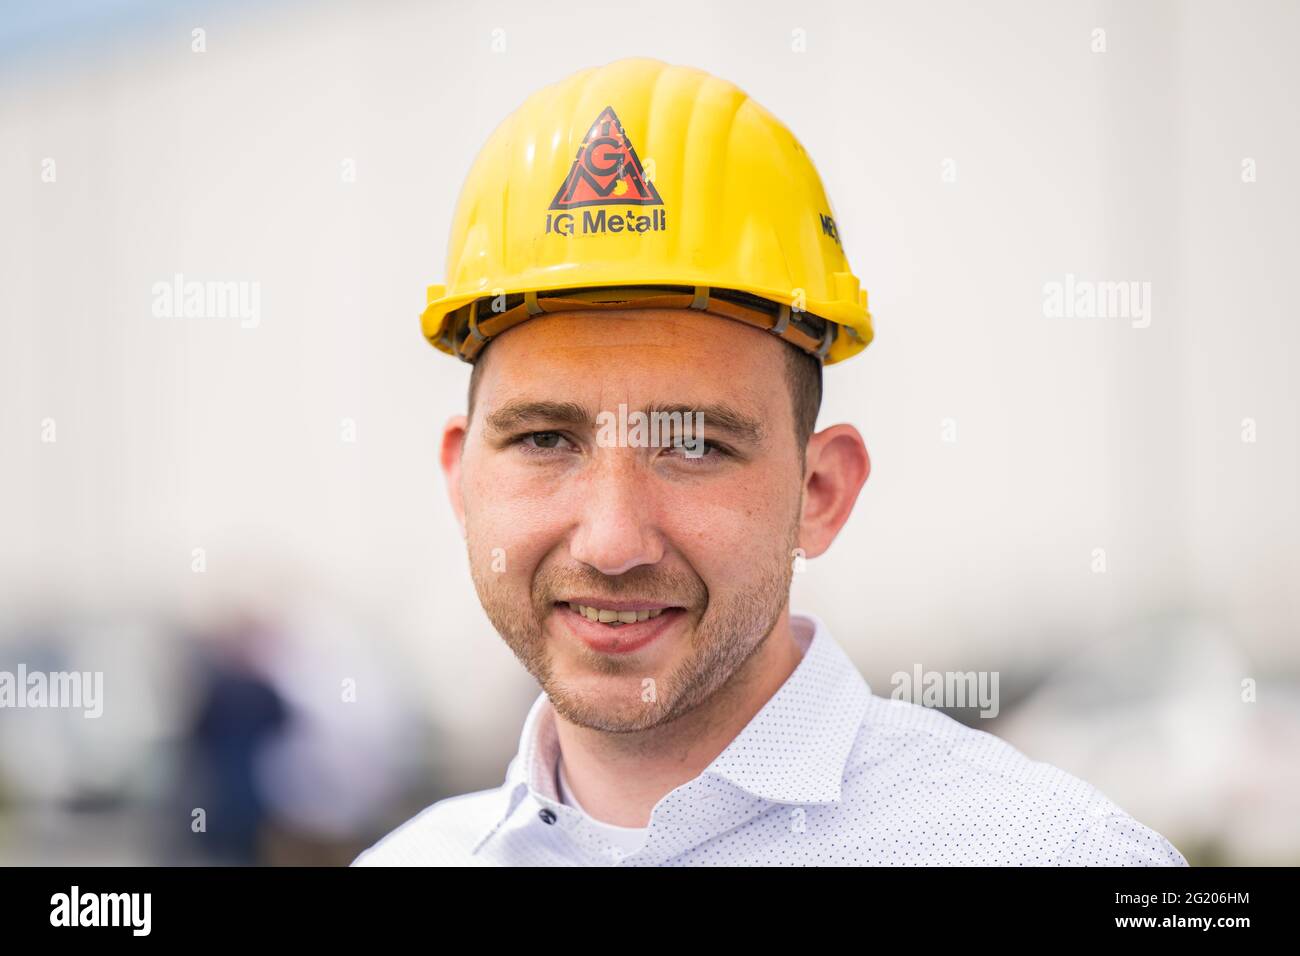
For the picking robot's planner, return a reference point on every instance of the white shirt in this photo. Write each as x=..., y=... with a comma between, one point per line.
x=826, y=773
x=626, y=839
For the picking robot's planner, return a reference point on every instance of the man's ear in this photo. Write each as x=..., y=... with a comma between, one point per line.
x=454, y=435
x=838, y=466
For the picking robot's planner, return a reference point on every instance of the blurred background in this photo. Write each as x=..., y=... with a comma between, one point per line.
x=241, y=525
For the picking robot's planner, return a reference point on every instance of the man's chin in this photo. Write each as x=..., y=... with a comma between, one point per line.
x=611, y=703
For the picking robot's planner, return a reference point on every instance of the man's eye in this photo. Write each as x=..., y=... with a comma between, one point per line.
x=697, y=450
x=544, y=442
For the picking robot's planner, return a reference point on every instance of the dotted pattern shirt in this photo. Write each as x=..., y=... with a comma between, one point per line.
x=825, y=774
x=627, y=839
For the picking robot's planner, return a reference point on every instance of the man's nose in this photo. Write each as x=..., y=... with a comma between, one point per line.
x=617, y=528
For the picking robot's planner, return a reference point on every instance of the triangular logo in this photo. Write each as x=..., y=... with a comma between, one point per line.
x=606, y=170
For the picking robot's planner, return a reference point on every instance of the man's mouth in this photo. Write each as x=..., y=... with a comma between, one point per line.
x=612, y=616
x=619, y=627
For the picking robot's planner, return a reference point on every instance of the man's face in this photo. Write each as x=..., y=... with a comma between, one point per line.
x=553, y=514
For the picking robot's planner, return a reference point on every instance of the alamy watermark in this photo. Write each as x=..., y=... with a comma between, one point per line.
x=651, y=430
x=180, y=299
x=76, y=908
x=948, y=689
x=1086, y=299
x=74, y=690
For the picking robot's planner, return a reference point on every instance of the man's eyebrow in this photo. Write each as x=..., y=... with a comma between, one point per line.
x=717, y=417
x=512, y=415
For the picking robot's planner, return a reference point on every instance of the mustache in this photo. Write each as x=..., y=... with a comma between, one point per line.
x=642, y=583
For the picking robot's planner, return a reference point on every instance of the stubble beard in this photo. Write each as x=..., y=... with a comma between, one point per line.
x=722, y=639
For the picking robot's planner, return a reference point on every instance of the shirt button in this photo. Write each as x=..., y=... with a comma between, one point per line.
x=546, y=815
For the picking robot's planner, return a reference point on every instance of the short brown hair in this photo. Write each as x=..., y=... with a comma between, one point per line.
x=803, y=376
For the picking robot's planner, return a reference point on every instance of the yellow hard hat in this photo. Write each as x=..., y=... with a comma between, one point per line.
x=643, y=184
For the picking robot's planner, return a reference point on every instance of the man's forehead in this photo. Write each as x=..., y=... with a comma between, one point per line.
x=654, y=338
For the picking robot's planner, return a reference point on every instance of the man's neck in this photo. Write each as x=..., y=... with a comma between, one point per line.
x=618, y=778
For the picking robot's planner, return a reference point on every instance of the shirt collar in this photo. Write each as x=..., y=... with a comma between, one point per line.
x=794, y=750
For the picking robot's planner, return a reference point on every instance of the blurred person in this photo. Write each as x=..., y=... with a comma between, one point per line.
x=344, y=761
x=238, y=715
x=686, y=715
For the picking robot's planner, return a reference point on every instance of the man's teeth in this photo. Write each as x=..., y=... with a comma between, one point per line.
x=613, y=618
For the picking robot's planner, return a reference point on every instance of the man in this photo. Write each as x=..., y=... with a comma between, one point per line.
x=686, y=716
